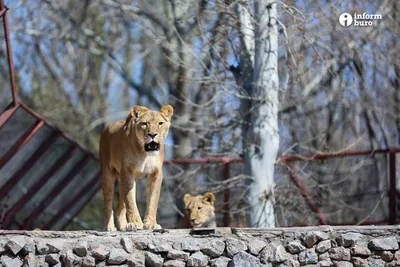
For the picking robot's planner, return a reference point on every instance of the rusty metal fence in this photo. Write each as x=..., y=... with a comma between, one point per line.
x=340, y=188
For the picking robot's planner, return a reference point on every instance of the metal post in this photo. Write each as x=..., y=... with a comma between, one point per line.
x=227, y=215
x=9, y=55
x=392, y=192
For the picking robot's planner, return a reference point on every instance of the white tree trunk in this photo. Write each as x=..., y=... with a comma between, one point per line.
x=262, y=135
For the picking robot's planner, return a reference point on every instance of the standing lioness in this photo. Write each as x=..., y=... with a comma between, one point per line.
x=130, y=150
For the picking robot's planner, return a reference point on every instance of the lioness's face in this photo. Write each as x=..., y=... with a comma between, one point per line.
x=151, y=127
x=199, y=209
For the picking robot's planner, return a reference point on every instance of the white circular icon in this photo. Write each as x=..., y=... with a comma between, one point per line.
x=345, y=19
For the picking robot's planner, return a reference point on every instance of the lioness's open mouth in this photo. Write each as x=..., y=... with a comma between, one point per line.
x=152, y=146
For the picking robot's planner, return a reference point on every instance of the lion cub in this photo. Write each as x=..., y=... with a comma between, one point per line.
x=199, y=211
x=129, y=150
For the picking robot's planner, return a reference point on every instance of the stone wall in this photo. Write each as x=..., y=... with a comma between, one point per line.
x=308, y=246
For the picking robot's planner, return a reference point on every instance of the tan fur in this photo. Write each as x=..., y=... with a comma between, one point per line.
x=199, y=211
x=123, y=156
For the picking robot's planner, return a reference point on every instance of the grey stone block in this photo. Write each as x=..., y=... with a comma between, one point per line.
x=7, y=261
x=178, y=255
x=137, y=259
x=256, y=245
x=213, y=247
x=220, y=262
x=234, y=246
x=81, y=249
x=117, y=256
x=198, y=259
x=16, y=244
x=100, y=253
x=308, y=257
x=52, y=259
x=274, y=253
x=174, y=263
x=243, y=259
x=348, y=239
x=323, y=246
x=340, y=254
x=127, y=244
x=295, y=247
x=89, y=261
x=153, y=260
x=388, y=243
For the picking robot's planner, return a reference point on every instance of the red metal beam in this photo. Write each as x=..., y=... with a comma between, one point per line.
x=9, y=56
x=392, y=191
x=33, y=113
x=21, y=142
x=2, y=11
x=284, y=158
x=204, y=160
x=308, y=198
x=28, y=164
x=334, y=155
x=6, y=115
x=2, y=6
x=95, y=181
x=35, y=188
x=56, y=191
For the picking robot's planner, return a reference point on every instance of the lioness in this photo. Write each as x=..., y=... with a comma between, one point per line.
x=199, y=211
x=129, y=150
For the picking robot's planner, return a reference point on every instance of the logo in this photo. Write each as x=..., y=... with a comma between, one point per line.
x=358, y=20
x=345, y=19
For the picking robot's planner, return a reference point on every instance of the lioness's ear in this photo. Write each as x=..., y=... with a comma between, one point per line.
x=167, y=111
x=187, y=198
x=209, y=197
x=138, y=111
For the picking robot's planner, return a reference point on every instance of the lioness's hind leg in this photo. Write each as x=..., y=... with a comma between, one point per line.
x=121, y=210
x=107, y=185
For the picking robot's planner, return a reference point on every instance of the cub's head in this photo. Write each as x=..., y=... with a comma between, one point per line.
x=150, y=126
x=199, y=210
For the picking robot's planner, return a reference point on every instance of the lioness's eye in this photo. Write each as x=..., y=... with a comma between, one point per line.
x=143, y=124
x=199, y=208
x=160, y=123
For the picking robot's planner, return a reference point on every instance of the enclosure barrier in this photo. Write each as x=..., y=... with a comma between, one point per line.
x=307, y=246
x=295, y=179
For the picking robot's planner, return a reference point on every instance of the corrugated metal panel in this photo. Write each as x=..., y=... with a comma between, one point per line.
x=45, y=176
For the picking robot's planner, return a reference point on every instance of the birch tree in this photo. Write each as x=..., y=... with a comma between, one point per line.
x=258, y=75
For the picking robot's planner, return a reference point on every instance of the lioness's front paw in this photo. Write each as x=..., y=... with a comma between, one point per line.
x=111, y=228
x=131, y=227
x=151, y=226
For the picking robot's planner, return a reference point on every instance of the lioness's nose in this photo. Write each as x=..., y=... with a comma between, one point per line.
x=152, y=135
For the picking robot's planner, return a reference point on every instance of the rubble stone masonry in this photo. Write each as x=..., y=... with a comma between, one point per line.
x=324, y=246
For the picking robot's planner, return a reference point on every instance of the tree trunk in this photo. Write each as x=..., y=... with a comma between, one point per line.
x=261, y=140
